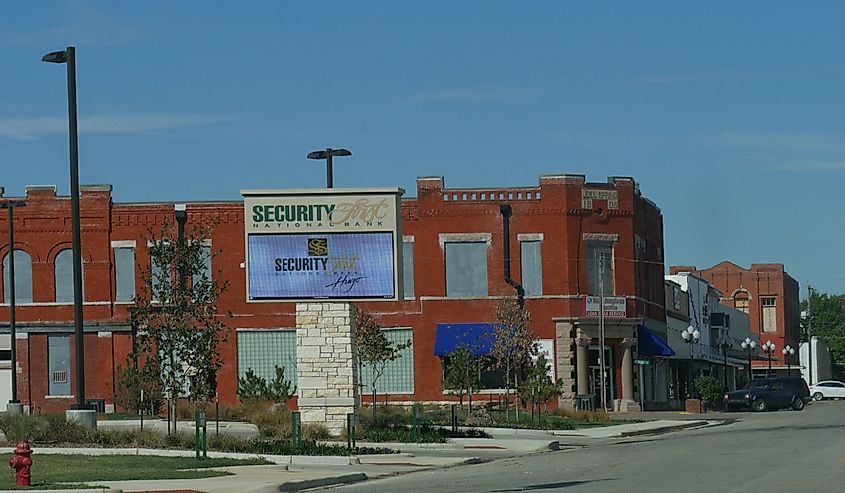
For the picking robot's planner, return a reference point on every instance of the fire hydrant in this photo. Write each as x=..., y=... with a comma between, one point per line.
x=21, y=463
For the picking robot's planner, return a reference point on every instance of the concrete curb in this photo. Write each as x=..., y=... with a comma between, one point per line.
x=83, y=490
x=666, y=429
x=304, y=484
x=322, y=460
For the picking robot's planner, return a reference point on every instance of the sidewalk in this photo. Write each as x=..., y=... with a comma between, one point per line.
x=295, y=473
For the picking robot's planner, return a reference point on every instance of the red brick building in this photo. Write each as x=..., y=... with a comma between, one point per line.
x=453, y=269
x=767, y=293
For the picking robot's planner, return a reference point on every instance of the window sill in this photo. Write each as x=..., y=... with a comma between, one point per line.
x=60, y=397
x=53, y=303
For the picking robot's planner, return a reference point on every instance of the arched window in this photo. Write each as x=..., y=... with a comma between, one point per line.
x=741, y=299
x=64, y=277
x=23, y=278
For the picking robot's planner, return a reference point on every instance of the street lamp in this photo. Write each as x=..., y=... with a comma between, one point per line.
x=68, y=56
x=724, y=346
x=327, y=155
x=749, y=346
x=691, y=336
x=787, y=352
x=14, y=406
x=769, y=348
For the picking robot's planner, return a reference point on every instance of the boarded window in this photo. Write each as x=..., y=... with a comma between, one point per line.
x=263, y=350
x=600, y=266
x=770, y=316
x=58, y=354
x=23, y=278
x=532, y=267
x=398, y=376
x=64, y=277
x=466, y=269
x=124, y=273
x=408, y=269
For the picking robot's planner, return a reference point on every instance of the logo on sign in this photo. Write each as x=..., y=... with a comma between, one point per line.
x=318, y=247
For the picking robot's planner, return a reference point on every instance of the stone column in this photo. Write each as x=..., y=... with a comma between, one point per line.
x=628, y=403
x=327, y=376
x=582, y=358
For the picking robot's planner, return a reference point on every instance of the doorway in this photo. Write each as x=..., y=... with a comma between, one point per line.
x=595, y=376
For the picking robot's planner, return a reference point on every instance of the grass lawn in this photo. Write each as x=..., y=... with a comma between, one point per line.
x=51, y=470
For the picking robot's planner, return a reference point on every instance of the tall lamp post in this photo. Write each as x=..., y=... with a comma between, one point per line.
x=14, y=406
x=769, y=348
x=724, y=346
x=68, y=57
x=749, y=346
x=327, y=155
x=787, y=352
x=691, y=336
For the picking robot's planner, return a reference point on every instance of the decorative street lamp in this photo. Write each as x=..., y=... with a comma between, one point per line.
x=787, y=352
x=749, y=346
x=724, y=345
x=68, y=57
x=327, y=155
x=14, y=406
x=769, y=348
x=691, y=336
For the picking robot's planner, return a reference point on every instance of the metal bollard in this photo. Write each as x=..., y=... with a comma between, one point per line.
x=199, y=422
x=296, y=428
x=415, y=430
x=350, y=430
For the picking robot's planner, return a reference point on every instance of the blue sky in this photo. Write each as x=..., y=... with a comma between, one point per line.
x=728, y=114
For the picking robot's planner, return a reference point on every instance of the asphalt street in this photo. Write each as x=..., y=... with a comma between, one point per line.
x=760, y=452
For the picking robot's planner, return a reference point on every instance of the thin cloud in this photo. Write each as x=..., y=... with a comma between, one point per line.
x=777, y=141
x=806, y=166
x=30, y=128
x=469, y=95
x=703, y=76
x=85, y=27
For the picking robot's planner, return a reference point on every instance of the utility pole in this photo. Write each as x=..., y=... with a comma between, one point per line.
x=603, y=383
x=810, y=333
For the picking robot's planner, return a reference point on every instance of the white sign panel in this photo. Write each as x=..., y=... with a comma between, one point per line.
x=614, y=306
x=326, y=244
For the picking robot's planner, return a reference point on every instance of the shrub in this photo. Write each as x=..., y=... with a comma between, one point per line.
x=583, y=415
x=273, y=422
x=709, y=390
x=252, y=386
x=315, y=431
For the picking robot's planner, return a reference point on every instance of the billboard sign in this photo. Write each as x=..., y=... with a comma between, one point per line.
x=326, y=244
x=614, y=306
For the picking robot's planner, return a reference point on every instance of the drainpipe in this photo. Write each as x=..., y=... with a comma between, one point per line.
x=506, y=211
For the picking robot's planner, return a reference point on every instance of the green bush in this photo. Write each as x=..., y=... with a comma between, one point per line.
x=709, y=390
x=252, y=386
x=272, y=422
x=315, y=431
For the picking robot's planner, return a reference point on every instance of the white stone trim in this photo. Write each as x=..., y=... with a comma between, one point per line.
x=60, y=396
x=529, y=237
x=444, y=238
x=600, y=237
x=407, y=238
x=325, y=401
x=123, y=244
x=53, y=303
x=103, y=334
x=21, y=335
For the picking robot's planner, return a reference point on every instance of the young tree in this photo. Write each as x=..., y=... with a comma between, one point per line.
x=374, y=348
x=176, y=317
x=538, y=386
x=462, y=373
x=514, y=343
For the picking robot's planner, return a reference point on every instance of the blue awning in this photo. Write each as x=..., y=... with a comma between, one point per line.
x=476, y=338
x=650, y=344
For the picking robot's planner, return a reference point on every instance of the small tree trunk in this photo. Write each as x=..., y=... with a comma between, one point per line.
x=469, y=394
x=374, y=390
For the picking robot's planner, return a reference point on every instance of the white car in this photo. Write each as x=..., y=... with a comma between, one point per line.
x=828, y=389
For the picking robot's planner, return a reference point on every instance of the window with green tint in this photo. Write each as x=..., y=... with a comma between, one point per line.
x=263, y=350
x=398, y=376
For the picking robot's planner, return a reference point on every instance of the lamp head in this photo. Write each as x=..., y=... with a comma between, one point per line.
x=55, y=57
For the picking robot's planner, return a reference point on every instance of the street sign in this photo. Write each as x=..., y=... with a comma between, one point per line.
x=643, y=362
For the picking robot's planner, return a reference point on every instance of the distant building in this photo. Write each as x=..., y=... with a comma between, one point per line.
x=768, y=294
x=693, y=303
x=822, y=367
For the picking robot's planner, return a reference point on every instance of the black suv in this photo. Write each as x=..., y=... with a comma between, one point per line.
x=770, y=393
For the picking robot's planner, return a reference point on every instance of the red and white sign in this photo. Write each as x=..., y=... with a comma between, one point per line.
x=614, y=306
